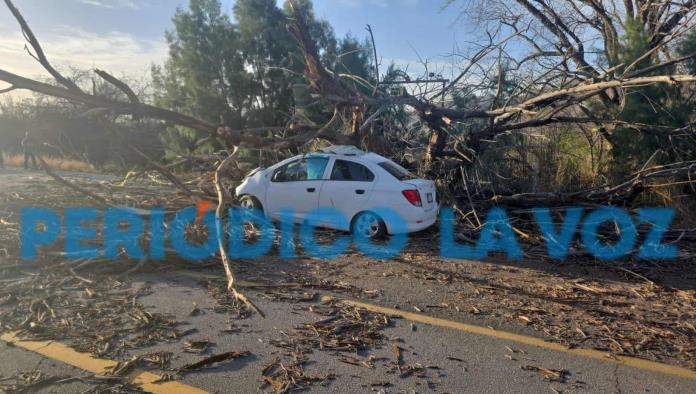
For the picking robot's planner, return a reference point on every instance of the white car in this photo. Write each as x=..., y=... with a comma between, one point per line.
x=355, y=183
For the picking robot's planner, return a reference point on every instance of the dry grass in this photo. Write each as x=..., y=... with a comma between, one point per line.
x=679, y=196
x=57, y=163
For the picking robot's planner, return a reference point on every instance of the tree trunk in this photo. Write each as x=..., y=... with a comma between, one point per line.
x=435, y=148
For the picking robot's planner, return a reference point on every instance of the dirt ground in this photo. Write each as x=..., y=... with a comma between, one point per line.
x=640, y=309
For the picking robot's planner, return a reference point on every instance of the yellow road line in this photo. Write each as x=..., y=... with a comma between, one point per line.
x=489, y=332
x=505, y=335
x=65, y=354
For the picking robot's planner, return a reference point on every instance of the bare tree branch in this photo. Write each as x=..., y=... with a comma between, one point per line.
x=219, y=215
x=40, y=56
x=119, y=84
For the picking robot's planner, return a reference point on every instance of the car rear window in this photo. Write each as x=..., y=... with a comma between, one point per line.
x=397, y=171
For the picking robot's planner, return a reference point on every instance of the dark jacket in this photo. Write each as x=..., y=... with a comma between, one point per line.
x=27, y=143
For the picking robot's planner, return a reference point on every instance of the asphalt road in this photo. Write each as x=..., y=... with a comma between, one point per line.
x=486, y=366
x=452, y=360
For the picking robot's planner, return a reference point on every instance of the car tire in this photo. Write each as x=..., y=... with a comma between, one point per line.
x=250, y=202
x=369, y=225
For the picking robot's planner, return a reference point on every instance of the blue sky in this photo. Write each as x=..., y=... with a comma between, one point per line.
x=127, y=36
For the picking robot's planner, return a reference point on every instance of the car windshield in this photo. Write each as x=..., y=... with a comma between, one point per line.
x=397, y=171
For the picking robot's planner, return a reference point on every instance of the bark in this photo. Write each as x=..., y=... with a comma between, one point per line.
x=220, y=212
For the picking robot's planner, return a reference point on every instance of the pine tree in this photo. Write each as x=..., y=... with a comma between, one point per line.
x=659, y=105
x=247, y=72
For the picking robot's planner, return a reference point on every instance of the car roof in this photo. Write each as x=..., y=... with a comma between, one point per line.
x=351, y=151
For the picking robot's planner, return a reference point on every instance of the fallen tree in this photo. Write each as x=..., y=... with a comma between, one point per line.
x=562, y=95
x=541, y=109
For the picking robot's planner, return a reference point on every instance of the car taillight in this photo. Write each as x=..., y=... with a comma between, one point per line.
x=413, y=197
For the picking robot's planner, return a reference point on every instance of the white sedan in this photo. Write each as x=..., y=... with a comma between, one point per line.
x=356, y=184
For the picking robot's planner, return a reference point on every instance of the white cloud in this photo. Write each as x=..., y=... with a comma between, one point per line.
x=132, y=4
x=67, y=46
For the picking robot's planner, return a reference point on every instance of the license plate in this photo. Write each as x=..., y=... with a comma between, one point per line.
x=429, y=197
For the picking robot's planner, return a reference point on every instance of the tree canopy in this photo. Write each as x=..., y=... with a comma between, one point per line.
x=243, y=68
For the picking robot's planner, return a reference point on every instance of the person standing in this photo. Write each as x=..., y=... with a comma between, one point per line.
x=28, y=147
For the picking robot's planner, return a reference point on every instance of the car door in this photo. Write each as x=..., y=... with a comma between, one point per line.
x=348, y=188
x=295, y=187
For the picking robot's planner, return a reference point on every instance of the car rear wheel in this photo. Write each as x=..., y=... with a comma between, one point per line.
x=369, y=225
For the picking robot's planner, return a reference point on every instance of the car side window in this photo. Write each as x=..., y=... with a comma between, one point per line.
x=344, y=170
x=293, y=171
x=316, y=167
x=301, y=170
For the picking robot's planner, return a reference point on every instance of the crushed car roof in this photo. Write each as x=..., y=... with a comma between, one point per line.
x=346, y=150
x=352, y=151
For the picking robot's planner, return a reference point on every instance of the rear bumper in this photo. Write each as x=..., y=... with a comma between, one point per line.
x=419, y=222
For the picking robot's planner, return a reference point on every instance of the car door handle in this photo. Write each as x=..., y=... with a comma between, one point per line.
x=359, y=191
x=311, y=189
